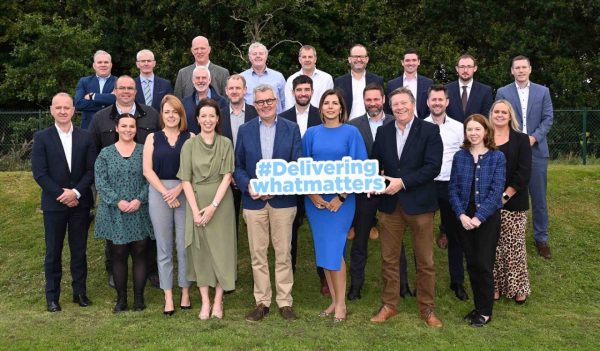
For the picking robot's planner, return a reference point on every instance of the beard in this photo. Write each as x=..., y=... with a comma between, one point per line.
x=373, y=112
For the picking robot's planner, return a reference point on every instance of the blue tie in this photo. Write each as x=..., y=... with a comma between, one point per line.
x=148, y=92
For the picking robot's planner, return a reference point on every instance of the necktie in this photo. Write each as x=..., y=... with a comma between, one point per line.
x=147, y=92
x=464, y=98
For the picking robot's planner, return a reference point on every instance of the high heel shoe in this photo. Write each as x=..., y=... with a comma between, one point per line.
x=186, y=307
x=324, y=314
x=168, y=313
x=217, y=314
x=204, y=317
x=520, y=302
x=339, y=319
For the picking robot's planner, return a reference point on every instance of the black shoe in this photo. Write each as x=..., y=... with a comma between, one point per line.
x=111, y=280
x=470, y=316
x=459, y=291
x=479, y=321
x=121, y=303
x=520, y=302
x=82, y=300
x=405, y=291
x=138, y=303
x=186, y=307
x=354, y=293
x=154, y=280
x=53, y=306
x=168, y=313
x=258, y=313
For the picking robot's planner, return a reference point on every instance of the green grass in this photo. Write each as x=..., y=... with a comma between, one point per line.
x=562, y=312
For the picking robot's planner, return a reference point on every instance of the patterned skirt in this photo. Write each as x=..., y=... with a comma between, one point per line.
x=510, y=270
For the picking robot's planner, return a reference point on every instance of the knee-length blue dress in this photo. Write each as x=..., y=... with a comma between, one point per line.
x=330, y=229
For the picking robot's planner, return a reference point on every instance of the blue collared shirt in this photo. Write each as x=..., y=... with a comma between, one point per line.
x=197, y=99
x=267, y=138
x=271, y=77
x=102, y=81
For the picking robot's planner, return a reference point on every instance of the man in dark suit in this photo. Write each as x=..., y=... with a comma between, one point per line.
x=409, y=152
x=416, y=83
x=202, y=90
x=104, y=134
x=533, y=106
x=468, y=96
x=232, y=117
x=305, y=115
x=201, y=50
x=366, y=206
x=268, y=137
x=352, y=84
x=151, y=89
x=95, y=92
x=62, y=161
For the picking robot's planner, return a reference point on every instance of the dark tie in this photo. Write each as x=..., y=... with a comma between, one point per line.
x=464, y=98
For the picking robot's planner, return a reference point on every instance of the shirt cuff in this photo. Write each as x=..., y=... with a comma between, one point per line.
x=77, y=193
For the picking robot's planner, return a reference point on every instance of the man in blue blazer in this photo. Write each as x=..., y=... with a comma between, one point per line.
x=409, y=152
x=352, y=84
x=95, y=92
x=417, y=84
x=62, y=161
x=204, y=90
x=533, y=101
x=267, y=137
x=468, y=96
x=151, y=89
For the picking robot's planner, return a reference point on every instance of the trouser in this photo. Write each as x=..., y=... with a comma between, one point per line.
x=539, y=206
x=451, y=227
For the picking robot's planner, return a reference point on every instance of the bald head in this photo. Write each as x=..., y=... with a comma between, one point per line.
x=62, y=110
x=201, y=50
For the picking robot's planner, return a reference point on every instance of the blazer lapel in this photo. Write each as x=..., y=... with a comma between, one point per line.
x=279, y=137
x=61, y=150
x=412, y=136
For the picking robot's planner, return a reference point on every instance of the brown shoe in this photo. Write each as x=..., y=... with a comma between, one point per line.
x=258, y=313
x=543, y=249
x=287, y=313
x=351, y=234
x=442, y=241
x=385, y=312
x=374, y=233
x=433, y=321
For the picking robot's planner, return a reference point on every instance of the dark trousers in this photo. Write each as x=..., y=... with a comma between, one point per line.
x=237, y=204
x=451, y=227
x=364, y=220
x=56, y=224
x=479, y=246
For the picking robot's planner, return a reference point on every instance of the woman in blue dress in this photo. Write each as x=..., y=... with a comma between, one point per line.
x=330, y=215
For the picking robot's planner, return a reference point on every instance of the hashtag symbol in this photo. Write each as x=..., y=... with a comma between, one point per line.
x=264, y=169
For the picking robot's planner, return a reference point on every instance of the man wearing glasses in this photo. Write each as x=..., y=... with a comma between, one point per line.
x=150, y=88
x=352, y=84
x=468, y=96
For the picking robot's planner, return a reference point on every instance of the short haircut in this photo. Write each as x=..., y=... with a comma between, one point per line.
x=124, y=115
x=514, y=124
x=124, y=77
x=62, y=94
x=302, y=79
x=200, y=68
x=410, y=51
x=144, y=51
x=437, y=87
x=466, y=56
x=358, y=46
x=237, y=77
x=374, y=86
x=402, y=90
x=488, y=138
x=261, y=88
x=178, y=106
x=307, y=47
x=209, y=103
x=257, y=45
x=102, y=52
x=519, y=58
x=344, y=112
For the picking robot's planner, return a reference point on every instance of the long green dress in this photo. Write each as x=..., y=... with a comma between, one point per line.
x=211, y=250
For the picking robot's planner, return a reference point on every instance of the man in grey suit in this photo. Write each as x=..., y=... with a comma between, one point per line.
x=533, y=106
x=201, y=51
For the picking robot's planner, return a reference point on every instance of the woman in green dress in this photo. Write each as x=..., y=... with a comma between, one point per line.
x=205, y=170
x=122, y=215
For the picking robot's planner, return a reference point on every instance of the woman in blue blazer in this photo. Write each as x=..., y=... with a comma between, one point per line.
x=475, y=192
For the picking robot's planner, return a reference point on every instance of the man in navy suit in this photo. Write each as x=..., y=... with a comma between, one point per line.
x=151, y=89
x=352, y=84
x=409, y=152
x=202, y=83
x=62, y=161
x=95, y=92
x=468, y=96
x=268, y=137
x=533, y=106
x=416, y=83
x=305, y=115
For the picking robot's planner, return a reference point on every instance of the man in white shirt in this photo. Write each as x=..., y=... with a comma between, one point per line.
x=321, y=81
x=416, y=83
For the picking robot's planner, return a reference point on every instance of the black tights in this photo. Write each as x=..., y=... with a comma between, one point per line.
x=120, y=256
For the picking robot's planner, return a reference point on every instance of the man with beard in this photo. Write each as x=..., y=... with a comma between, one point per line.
x=203, y=90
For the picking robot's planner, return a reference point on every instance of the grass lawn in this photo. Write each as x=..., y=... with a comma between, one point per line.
x=563, y=311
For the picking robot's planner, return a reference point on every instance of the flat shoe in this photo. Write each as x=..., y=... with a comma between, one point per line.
x=324, y=314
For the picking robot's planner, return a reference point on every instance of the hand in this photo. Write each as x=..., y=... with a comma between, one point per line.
x=134, y=205
x=206, y=214
x=174, y=204
x=466, y=222
x=197, y=218
x=253, y=195
x=318, y=201
x=334, y=204
x=68, y=195
x=87, y=96
x=475, y=222
x=123, y=205
x=396, y=184
x=266, y=197
x=532, y=140
x=72, y=203
x=171, y=194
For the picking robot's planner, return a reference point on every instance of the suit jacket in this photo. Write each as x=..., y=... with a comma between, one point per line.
x=51, y=170
x=362, y=123
x=185, y=87
x=480, y=100
x=161, y=88
x=540, y=114
x=249, y=113
x=102, y=99
x=189, y=105
x=344, y=83
x=419, y=164
x=314, y=117
x=423, y=83
x=287, y=146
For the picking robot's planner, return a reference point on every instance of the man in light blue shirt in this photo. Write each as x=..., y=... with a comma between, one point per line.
x=259, y=73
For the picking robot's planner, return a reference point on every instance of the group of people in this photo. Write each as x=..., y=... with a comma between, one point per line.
x=173, y=171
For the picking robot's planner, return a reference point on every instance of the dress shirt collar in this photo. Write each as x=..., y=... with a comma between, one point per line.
x=407, y=128
x=148, y=79
x=120, y=111
x=60, y=131
x=525, y=87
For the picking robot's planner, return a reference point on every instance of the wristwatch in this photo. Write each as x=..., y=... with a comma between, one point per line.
x=505, y=197
x=341, y=198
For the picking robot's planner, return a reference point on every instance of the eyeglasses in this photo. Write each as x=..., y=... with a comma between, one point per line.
x=267, y=102
x=145, y=61
x=125, y=88
x=466, y=67
x=359, y=57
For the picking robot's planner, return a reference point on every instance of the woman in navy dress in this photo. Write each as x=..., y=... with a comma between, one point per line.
x=330, y=215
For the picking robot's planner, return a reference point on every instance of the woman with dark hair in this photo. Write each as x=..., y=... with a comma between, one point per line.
x=166, y=199
x=331, y=215
x=475, y=193
x=510, y=270
x=205, y=170
x=122, y=215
